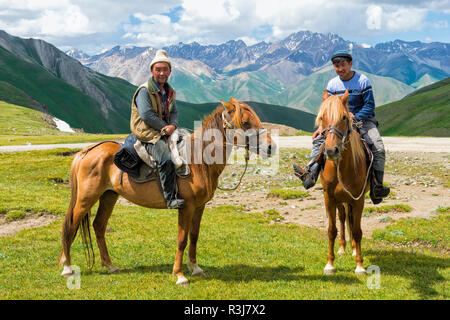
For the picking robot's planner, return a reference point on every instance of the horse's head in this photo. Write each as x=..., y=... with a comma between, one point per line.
x=334, y=118
x=246, y=128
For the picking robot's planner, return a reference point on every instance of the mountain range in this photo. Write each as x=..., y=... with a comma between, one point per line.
x=35, y=74
x=290, y=72
x=269, y=76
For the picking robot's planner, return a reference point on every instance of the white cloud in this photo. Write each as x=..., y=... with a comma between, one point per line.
x=374, y=14
x=405, y=19
x=105, y=23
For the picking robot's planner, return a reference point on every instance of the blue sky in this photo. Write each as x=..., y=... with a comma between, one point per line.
x=93, y=26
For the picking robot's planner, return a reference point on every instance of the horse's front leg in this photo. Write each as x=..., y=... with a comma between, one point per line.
x=330, y=205
x=342, y=242
x=357, y=236
x=193, y=238
x=184, y=223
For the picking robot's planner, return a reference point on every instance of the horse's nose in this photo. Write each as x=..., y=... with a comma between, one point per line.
x=332, y=153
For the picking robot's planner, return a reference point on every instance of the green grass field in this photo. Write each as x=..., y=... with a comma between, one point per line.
x=245, y=255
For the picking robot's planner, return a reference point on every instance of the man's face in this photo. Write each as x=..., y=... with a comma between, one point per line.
x=344, y=69
x=161, y=72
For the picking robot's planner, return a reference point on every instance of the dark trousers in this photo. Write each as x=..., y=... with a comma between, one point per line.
x=166, y=168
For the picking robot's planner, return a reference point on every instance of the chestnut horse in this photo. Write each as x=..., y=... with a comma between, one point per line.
x=344, y=177
x=94, y=177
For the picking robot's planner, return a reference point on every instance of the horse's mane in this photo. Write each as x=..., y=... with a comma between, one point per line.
x=214, y=120
x=335, y=110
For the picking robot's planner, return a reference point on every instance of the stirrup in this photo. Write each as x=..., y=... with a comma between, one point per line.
x=175, y=204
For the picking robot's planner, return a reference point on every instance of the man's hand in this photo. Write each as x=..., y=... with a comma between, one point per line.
x=168, y=130
x=317, y=132
x=352, y=116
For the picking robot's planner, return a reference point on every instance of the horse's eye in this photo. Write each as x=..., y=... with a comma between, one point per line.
x=344, y=117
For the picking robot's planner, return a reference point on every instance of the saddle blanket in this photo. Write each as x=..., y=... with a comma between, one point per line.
x=134, y=159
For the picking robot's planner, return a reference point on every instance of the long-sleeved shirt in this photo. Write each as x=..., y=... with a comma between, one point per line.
x=147, y=114
x=360, y=101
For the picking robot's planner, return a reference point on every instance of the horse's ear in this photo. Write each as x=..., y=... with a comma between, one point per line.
x=344, y=98
x=226, y=105
x=234, y=101
x=325, y=95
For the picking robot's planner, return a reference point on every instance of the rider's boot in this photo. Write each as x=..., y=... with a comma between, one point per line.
x=168, y=183
x=377, y=190
x=310, y=175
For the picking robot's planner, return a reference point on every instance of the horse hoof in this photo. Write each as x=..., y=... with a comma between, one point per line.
x=182, y=281
x=341, y=252
x=329, y=270
x=113, y=269
x=360, y=271
x=67, y=271
x=196, y=270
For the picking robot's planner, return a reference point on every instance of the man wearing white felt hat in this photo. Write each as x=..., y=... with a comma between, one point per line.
x=153, y=114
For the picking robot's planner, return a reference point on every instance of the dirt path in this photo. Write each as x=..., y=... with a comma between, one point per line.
x=392, y=144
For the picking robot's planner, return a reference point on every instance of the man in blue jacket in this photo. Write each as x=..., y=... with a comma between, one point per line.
x=362, y=109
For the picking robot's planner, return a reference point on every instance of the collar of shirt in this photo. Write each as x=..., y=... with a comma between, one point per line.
x=166, y=87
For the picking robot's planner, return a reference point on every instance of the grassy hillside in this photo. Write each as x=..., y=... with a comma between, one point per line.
x=17, y=120
x=22, y=125
x=36, y=74
x=422, y=113
x=62, y=100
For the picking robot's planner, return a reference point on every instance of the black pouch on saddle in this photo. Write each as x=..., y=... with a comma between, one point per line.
x=127, y=159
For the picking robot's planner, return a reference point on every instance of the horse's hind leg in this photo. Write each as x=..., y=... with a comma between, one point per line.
x=185, y=215
x=193, y=238
x=342, y=242
x=80, y=210
x=105, y=208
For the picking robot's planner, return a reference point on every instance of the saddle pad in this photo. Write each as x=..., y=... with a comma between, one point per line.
x=147, y=169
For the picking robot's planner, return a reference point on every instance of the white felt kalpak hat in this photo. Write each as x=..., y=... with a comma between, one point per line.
x=161, y=56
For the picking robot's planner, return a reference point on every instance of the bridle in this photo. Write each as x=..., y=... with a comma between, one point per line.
x=337, y=132
x=228, y=125
x=343, y=137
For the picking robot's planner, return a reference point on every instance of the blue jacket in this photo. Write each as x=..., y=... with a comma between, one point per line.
x=361, y=101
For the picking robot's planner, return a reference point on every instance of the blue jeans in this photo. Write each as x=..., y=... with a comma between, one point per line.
x=370, y=134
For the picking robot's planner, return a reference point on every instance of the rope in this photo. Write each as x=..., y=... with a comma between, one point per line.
x=365, y=183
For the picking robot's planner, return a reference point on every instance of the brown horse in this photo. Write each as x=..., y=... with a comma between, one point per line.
x=344, y=177
x=94, y=177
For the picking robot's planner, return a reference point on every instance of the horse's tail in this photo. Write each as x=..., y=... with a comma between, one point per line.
x=68, y=219
x=349, y=220
x=67, y=239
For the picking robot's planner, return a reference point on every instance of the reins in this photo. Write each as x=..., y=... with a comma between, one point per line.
x=365, y=182
x=336, y=131
x=228, y=124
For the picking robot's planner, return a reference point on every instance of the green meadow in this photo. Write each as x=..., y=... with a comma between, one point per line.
x=245, y=255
